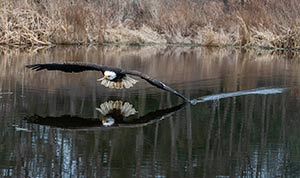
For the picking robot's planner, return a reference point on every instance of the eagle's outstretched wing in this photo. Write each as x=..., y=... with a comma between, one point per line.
x=154, y=82
x=70, y=67
x=80, y=67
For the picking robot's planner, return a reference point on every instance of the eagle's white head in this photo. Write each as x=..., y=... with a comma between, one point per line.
x=110, y=75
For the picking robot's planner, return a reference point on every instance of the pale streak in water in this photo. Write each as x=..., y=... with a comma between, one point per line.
x=257, y=91
x=5, y=93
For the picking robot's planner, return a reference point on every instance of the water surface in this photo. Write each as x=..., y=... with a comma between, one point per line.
x=50, y=126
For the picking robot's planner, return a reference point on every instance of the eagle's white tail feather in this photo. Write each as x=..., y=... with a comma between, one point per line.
x=126, y=82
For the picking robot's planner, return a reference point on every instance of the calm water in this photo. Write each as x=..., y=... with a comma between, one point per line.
x=50, y=125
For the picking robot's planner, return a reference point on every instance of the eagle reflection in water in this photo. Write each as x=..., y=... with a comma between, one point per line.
x=113, y=114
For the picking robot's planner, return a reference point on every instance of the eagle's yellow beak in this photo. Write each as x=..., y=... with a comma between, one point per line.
x=104, y=77
x=103, y=119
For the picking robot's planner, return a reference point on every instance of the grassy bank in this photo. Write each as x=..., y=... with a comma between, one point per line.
x=273, y=24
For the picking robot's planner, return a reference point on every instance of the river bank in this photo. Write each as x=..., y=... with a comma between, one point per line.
x=209, y=23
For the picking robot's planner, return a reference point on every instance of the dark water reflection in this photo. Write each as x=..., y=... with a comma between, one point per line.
x=246, y=136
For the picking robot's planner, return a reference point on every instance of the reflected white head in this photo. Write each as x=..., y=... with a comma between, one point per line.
x=110, y=75
x=107, y=121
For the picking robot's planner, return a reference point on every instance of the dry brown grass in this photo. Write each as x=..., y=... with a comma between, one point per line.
x=56, y=22
x=23, y=26
x=272, y=24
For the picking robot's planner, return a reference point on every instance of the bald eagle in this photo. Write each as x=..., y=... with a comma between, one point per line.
x=113, y=77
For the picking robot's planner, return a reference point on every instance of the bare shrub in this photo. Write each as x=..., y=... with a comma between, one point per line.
x=79, y=24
